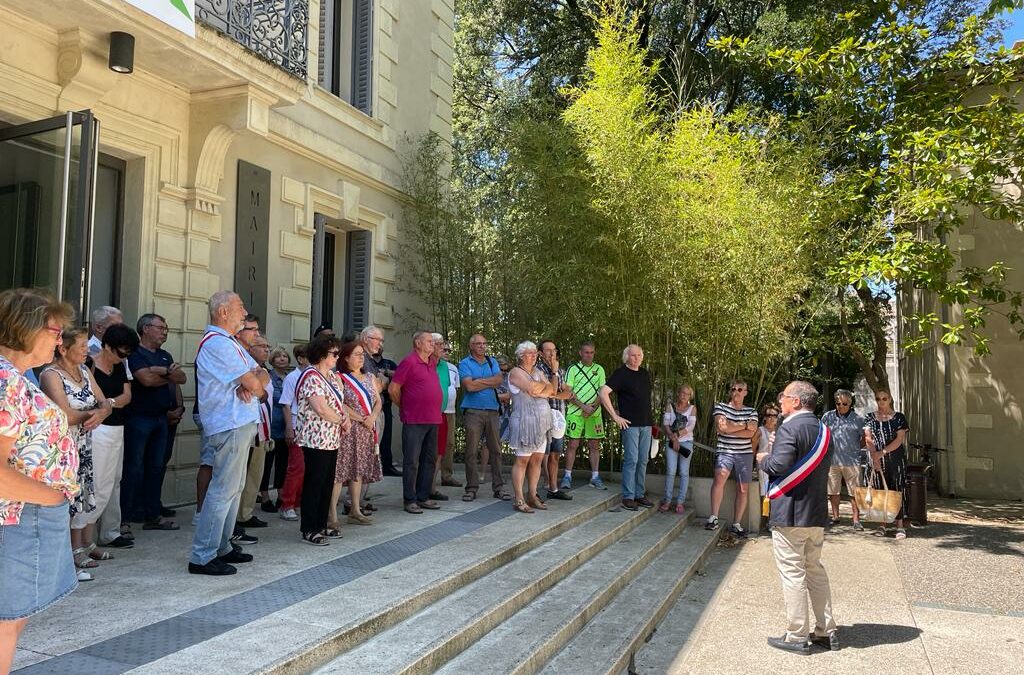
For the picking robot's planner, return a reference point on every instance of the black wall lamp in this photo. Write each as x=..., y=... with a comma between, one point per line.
x=122, y=52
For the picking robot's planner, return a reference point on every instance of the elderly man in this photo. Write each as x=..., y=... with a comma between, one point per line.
x=481, y=376
x=847, y=429
x=372, y=340
x=416, y=391
x=631, y=385
x=102, y=319
x=797, y=466
x=259, y=350
x=229, y=384
x=736, y=424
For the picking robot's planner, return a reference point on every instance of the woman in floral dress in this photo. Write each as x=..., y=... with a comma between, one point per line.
x=358, y=461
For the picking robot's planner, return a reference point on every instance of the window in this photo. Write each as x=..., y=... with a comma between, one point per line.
x=346, y=51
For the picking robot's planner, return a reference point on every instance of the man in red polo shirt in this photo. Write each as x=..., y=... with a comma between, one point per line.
x=416, y=390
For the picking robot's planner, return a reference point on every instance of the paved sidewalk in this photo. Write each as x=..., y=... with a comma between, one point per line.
x=947, y=600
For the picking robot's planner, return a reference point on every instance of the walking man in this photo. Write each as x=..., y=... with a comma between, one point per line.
x=230, y=384
x=736, y=425
x=847, y=429
x=481, y=377
x=416, y=391
x=798, y=466
x=583, y=418
x=631, y=384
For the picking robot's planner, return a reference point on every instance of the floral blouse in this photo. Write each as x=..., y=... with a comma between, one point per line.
x=311, y=430
x=44, y=450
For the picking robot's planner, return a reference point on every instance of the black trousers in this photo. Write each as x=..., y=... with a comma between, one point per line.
x=419, y=447
x=386, y=460
x=317, y=484
x=277, y=460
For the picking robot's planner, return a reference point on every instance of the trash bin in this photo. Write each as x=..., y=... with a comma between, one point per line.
x=917, y=493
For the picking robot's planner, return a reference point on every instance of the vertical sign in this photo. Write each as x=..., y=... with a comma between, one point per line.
x=252, y=237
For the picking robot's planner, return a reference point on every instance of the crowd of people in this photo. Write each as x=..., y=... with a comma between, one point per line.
x=89, y=420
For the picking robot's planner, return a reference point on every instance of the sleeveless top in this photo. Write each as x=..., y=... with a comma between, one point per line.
x=82, y=398
x=530, y=423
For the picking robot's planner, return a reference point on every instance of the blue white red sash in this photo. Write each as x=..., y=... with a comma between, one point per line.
x=311, y=371
x=362, y=397
x=804, y=466
x=212, y=334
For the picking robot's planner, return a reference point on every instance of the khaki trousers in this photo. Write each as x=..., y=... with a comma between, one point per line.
x=482, y=424
x=798, y=557
x=253, y=476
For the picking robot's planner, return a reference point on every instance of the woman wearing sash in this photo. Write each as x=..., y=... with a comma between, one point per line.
x=320, y=423
x=358, y=462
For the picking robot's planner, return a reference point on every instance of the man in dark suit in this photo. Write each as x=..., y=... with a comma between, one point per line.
x=798, y=466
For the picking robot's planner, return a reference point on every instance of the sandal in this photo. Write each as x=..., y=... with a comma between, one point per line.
x=469, y=496
x=680, y=509
x=82, y=559
x=100, y=555
x=901, y=533
x=663, y=506
x=84, y=576
x=314, y=538
x=331, y=533
x=521, y=507
x=536, y=503
x=502, y=495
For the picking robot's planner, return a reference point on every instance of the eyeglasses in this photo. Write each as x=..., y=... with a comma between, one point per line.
x=447, y=350
x=841, y=404
x=158, y=326
x=767, y=415
x=738, y=389
x=123, y=353
x=56, y=331
x=333, y=352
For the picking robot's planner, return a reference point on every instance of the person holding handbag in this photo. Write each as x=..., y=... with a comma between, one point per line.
x=884, y=433
x=678, y=422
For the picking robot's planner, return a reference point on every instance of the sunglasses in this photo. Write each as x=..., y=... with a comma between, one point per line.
x=123, y=353
x=738, y=389
x=333, y=352
x=843, y=405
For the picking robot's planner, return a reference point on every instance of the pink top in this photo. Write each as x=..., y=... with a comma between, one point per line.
x=421, y=390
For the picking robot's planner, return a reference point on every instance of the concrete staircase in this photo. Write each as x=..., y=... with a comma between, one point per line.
x=580, y=595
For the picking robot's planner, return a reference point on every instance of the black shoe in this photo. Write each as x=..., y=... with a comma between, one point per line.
x=253, y=522
x=119, y=542
x=559, y=494
x=392, y=471
x=830, y=641
x=243, y=538
x=737, y=532
x=268, y=506
x=166, y=512
x=214, y=568
x=796, y=647
x=236, y=556
x=439, y=496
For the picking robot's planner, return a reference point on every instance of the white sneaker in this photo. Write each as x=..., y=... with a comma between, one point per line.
x=84, y=576
x=289, y=514
x=195, y=519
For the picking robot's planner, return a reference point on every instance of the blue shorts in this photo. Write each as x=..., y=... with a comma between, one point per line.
x=556, y=446
x=741, y=466
x=35, y=561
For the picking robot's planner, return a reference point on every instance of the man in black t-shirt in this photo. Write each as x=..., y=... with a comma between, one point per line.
x=145, y=430
x=632, y=387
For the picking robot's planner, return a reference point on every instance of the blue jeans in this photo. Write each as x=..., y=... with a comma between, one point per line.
x=145, y=446
x=636, y=450
x=217, y=519
x=677, y=463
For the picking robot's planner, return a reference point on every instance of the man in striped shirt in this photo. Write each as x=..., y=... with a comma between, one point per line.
x=736, y=424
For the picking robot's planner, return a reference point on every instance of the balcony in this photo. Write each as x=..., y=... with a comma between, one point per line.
x=274, y=30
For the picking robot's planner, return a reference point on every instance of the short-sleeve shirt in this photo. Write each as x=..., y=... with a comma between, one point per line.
x=448, y=374
x=288, y=398
x=633, y=390
x=485, y=399
x=421, y=390
x=311, y=430
x=112, y=386
x=43, y=448
x=884, y=433
x=727, y=443
x=585, y=381
x=150, y=400
x=847, y=437
x=220, y=363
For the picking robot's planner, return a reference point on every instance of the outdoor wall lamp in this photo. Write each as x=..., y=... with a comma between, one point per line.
x=122, y=52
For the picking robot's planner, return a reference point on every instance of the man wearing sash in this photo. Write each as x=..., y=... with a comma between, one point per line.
x=797, y=466
x=230, y=384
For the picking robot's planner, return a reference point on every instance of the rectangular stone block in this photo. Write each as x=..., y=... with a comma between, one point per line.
x=302, y=274
x=384, y=69
x=173, y=345
x=300, y=329
x=197, y=316
x=199, y=251
x=173, y=312
x=209, y=224
x=443, y=11
x=387, y=92
x=978, y=421
x=170, y=246
x=296, y=247
x=388, y=48
x=190, y=345
x=202, y=284
x=441, y=49
x=383, y=316
x=293, y=191
x=171, y=213
x=169, y=281
x=294, y=301
x=380, y=292
x=384, y=270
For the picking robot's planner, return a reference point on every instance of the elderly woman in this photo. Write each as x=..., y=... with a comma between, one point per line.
x=69, y=384
x=39, y=474
x=111, y=374
x=678, y=422
x=530, y=423
x=358, y=462
x=884, y=433
x=320, y=422
x=277, y=459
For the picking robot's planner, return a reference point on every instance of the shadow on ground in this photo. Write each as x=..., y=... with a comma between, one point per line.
x=865, y=635
x=992, y=538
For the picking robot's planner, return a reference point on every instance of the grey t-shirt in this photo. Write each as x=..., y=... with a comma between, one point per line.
x=847, y=437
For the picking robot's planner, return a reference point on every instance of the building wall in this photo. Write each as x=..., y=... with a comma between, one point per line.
x=190, y=111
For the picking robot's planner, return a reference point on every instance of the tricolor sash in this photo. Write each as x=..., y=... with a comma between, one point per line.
x=804, y=466
x=311, y=371
x=363, y=397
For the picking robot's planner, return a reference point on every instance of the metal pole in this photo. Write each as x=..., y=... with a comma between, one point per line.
x=86, y=290
x=320, y=228
x=62, y=242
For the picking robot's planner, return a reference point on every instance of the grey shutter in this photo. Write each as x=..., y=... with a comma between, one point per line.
x=362, y=55
x=321, y=63
x=357, y=309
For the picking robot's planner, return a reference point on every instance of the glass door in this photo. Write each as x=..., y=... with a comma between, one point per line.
x=47, y=190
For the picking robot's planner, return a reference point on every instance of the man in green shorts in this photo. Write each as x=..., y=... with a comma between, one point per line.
x=583, y=418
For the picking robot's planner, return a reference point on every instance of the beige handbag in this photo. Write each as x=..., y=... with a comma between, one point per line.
x=878, y=506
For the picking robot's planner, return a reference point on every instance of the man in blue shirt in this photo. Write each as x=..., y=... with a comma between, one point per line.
x=480, y=377
x=847, y=453
x=230, y=384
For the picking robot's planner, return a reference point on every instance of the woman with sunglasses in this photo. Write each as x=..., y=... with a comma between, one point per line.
x=111, y=374
x=39, y=474
x=762, y=442
x=884, y=433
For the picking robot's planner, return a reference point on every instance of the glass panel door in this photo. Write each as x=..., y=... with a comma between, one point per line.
x=47, y=182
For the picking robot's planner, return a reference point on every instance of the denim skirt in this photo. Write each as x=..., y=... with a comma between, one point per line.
x=36, y=566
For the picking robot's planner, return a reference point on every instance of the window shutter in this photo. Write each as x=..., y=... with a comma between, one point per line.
x=325, y=30
x=362, y=55
x=357, y=309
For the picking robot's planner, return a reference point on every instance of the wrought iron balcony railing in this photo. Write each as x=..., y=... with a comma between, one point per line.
x=275, y=30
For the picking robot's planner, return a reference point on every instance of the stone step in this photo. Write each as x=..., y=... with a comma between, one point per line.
x=344, y=618
x=529, y=638
x=426, y=641
x=608, y=642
